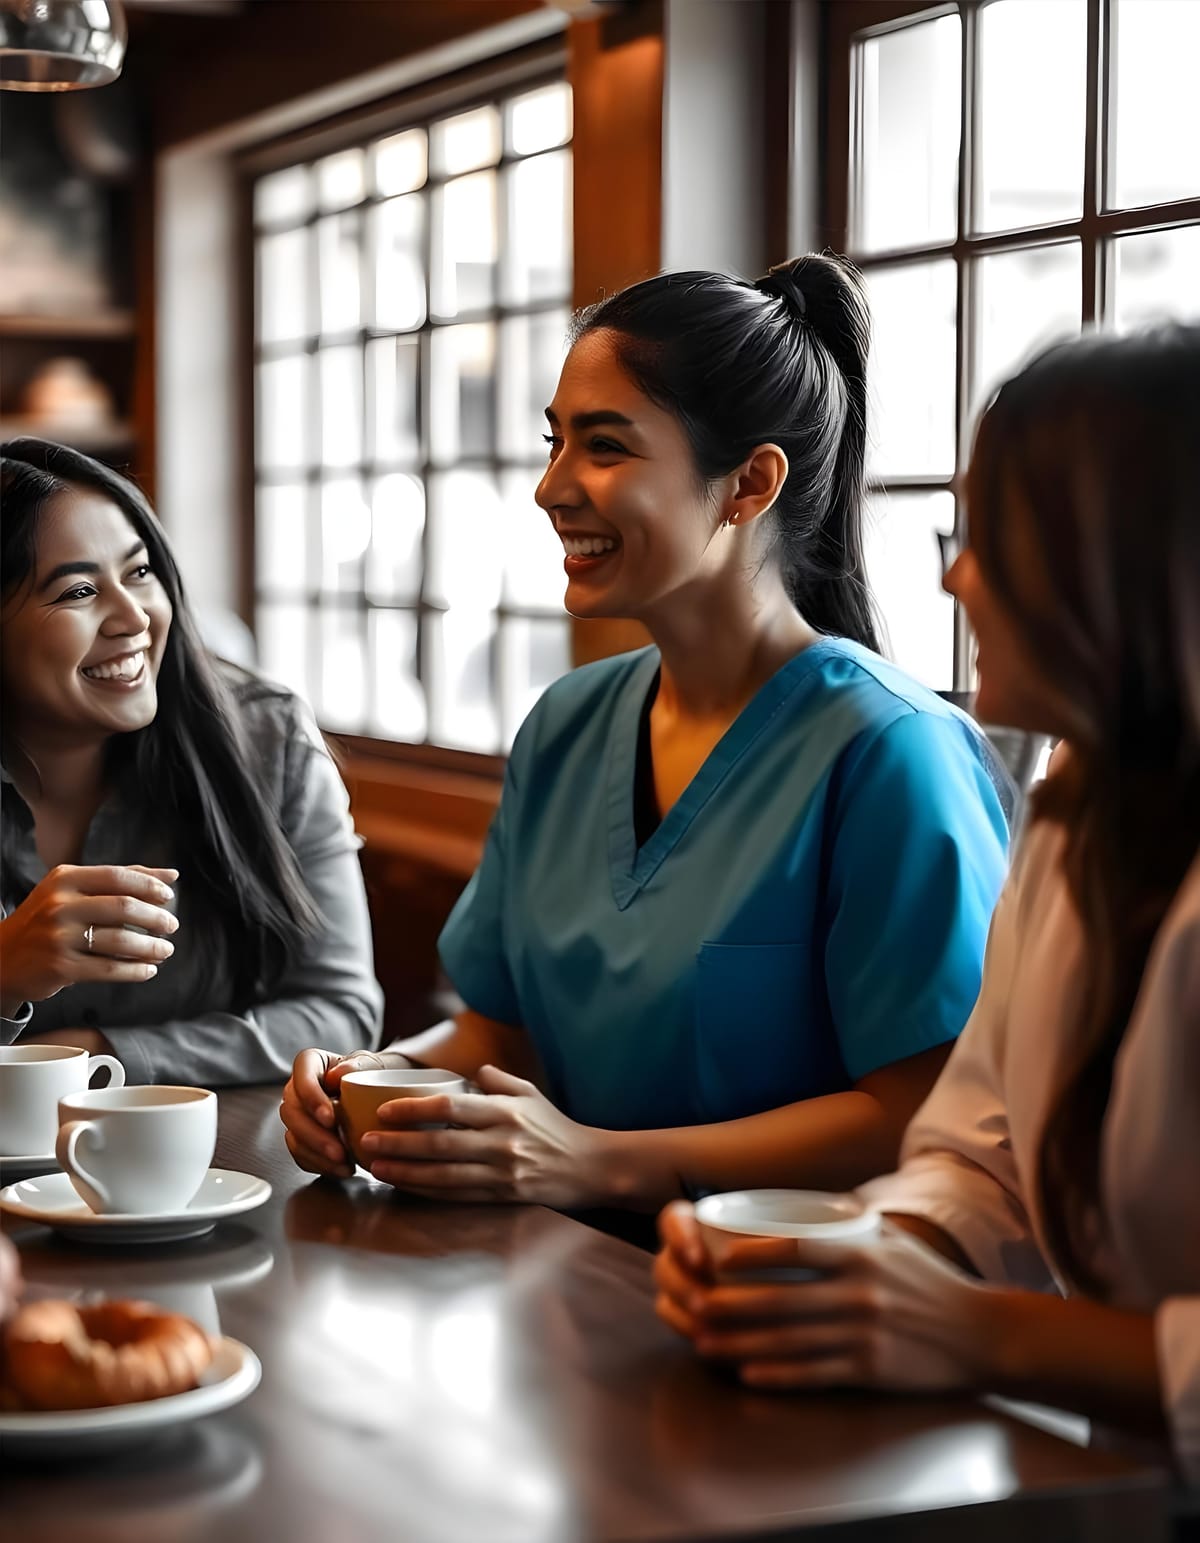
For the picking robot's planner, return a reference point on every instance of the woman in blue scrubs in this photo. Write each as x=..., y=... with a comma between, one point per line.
x=731, y=912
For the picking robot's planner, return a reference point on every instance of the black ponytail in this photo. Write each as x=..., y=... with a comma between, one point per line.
x=783, y=362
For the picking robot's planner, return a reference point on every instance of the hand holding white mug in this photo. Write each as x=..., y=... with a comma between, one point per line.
x=76, y=925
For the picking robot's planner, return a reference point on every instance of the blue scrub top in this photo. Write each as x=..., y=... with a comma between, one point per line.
x=813, y=907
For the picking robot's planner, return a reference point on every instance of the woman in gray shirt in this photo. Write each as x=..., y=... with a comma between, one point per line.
x=178, y=871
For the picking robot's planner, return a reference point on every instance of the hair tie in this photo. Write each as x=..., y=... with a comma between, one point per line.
x=783, y=286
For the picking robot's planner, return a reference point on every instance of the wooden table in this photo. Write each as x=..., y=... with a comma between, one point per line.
x=446, y=1375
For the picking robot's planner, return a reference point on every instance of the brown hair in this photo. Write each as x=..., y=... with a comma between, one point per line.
x=1085, y=520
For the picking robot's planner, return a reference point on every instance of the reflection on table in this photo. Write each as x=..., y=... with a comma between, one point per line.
x=436, y=1374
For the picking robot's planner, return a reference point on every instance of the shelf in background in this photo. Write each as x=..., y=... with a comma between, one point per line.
x=85, y=325
x=117, y=435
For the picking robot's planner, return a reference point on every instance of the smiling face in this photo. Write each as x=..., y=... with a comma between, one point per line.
x=83, y=638
x=623, y=492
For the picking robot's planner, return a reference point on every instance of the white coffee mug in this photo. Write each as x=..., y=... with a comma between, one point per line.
x=32, y=1080
x=781, y=1213
x=137, y=1151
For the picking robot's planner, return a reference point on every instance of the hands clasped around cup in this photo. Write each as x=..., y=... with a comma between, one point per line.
x=79, y=924
x=504, y=1141
x=890, y=1313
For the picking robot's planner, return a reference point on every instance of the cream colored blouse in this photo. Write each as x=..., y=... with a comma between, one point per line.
x=969, y=1160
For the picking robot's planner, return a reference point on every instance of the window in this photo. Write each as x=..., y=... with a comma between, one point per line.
x=411, y=297
x=1005, y=172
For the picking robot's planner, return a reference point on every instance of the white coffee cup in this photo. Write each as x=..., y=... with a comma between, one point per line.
x=810, y=1214
x=32, y=1080
x=137, y=1151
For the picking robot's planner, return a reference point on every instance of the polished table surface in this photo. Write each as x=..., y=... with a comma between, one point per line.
x=445, y=1375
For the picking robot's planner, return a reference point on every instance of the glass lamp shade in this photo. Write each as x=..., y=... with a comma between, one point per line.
x=60, y=45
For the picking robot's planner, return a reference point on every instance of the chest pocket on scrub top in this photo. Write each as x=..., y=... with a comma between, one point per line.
x=761, y=1038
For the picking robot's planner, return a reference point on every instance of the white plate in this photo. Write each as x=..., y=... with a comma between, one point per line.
x=52, y=1200
x=25, y=1164
x=234, y=1374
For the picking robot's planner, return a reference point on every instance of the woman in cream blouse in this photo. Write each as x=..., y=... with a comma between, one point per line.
x=1045, y=1237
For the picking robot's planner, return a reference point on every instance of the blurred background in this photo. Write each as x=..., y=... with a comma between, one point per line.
x=304, y=271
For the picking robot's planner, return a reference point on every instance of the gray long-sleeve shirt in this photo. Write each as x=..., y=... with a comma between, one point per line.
x=185, y=1025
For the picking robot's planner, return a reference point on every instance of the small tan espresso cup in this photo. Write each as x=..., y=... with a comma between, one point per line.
x=811, y=1214
x=361, y=1093
x=32, y=1080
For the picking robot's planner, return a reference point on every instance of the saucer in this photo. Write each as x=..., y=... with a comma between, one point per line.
x=53, y=1201
x=233, y=1375
x=24, y=1164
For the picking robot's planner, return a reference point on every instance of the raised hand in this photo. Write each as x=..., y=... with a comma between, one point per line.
x=79, y=924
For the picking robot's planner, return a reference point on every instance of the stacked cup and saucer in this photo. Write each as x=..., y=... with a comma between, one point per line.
x=134, y=1162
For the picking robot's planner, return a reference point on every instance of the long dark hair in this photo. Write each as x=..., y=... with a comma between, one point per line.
x=782, y=361
x=1084, y=494
x=194, y=757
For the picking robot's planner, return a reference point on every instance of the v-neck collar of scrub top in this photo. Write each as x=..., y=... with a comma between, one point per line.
x=632, y=867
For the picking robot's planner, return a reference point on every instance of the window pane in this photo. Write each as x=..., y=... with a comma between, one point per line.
x=341, y=406
x=1157, y=277
x=1157, y=105
x=462, y=418
x=463, y=271
x=398, y=233
x=532, y=349
x=537, y=257
x=398, y=702
x=394, y=373
x=345, y=535
x=908, y=105
x=338, y=272
x=282, y=286
x=343, y=667
x=532, y=655
x=1032, y=86
x=540, y=119
x=905, y=574
x=464, y=142
x=281, y=632
x=913, y=350
x=379, y=580
x=400, y=162
x=341, y=179
x=1024, y=302
x=462, y=706
x=532, y=553
x=465, y=553
x=397, y=526
x=282, y=197
x=282, y=439
x=281, y=538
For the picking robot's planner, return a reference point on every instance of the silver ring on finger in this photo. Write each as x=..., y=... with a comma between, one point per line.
x=89, y=937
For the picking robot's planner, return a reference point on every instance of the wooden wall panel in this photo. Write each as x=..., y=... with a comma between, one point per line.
x=215, y=70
